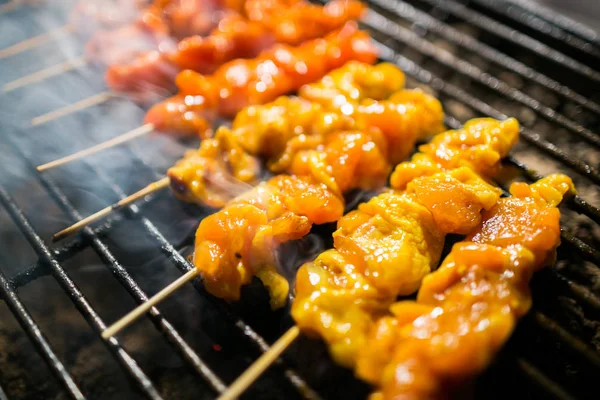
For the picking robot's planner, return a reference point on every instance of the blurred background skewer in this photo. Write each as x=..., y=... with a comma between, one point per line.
x=45, y=73
x=36, y=41
x=126, y=137
x=71, y=108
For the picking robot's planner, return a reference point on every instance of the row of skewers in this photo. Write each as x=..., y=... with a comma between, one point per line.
x=349, y=124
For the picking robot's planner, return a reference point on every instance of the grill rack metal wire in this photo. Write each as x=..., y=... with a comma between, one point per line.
x=50, y=260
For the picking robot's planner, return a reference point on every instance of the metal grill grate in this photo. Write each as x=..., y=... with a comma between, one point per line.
x=480, y=60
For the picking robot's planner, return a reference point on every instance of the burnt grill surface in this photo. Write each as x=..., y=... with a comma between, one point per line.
x=481, y=58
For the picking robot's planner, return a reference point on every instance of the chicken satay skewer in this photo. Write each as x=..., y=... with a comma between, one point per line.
x=268, y=76
x=414, y=114
x=348, y=171
x=239, y=35
x=273, y=131
x=497, y=145
x=473, y=300
x=501, y=144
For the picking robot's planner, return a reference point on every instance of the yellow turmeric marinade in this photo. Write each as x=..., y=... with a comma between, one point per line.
x=292, y=133
x=384, y=249
x=323, y=160
x=467, y=309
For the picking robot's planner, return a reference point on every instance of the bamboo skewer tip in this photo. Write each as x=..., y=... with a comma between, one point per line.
x=71, y=108
x=35, y=41
x=45, y=73
x=146, y=306
x=125, y=137
x=76, y=227
x=249, y=376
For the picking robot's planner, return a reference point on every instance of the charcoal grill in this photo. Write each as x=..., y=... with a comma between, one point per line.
x=481, y=58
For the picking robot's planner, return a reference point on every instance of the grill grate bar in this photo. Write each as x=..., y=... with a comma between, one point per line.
x=582, y=293
x=514, y=36
x=411, y=68
x=123, y=277
x=446, y=31
x=559, y=20
x=3, y=395
x=77, y=297
x=561, y=333
x=182, y=264
x=30, y=274
x=406, y=36
x=546, y=384
x=7, y=292
x=535, y=22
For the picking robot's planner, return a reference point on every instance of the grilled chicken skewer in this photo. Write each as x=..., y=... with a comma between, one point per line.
x=143, y=57
x=241, y=83
x=277, y=131
x=238, y=242
x=385, y=248
x=473, y=301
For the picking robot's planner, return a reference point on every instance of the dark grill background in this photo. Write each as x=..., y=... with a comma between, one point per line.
x=483, y=58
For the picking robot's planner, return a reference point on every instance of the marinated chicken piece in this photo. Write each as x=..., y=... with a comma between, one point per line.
x=285, y=207
x=386, y=247
x=296, y=136
x=240, y=241
x=234, y=37
x=176, y=33
x=183, y=18
x=241, y=83
x=294, y=21
x=274, y=130
x=357, y=89
x=154, y=69
x=353, y=82
x=480, y=144
x=215, y=173
x=467, y=309
x=346, y=160
x=382, y=250
x=406, y=117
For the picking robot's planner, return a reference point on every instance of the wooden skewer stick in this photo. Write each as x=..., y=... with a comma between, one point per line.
x=71, y=108
x=151, y=188
x=45, y=73
x=146, y=306
x=255, y=370
x=135, y=133
x=36, y=41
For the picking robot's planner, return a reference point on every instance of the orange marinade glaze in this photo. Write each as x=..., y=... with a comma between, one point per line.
x=237, y=84
x=467, y=309
x=386, y=247
x=232, y=36
x=301, y=137
x=240, y=241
